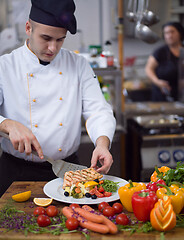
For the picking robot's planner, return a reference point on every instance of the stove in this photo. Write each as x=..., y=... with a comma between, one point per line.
x=155, y=140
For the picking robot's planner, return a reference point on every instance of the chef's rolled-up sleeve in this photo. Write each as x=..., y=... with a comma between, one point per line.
x=97, y=112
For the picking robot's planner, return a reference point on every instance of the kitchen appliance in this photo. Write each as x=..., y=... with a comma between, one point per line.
x=155, y=140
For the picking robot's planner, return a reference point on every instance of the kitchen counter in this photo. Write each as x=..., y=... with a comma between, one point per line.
x=149, y=108
x=37, y=191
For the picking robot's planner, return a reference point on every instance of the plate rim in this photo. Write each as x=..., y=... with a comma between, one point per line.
x=112, y=198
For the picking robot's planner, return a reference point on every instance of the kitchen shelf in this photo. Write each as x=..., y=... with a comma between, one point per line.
x=114, y=76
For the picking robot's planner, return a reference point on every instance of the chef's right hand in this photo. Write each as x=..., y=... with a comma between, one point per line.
x=21, y=137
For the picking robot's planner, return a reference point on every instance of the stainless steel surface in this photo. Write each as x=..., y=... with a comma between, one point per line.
x=131, y=11
x=149, y=18
x=158, y=121
x=114, y=77
x=59, y=166
x=150, y=108
x=142, y=31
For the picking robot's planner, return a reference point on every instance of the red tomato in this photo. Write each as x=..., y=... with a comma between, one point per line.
x=107, y=194
x=98, y=194
x=118, y=207
x=122, y=219
x=52, y=211
x=101, y=189
x=72, y=223
x=102, y=205
x=109, y=211
x=74, y=205
x=39, y=211
x=43, y=221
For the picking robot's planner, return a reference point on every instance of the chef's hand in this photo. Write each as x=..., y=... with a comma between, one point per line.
x=162, y=84
x=101, y=153
x=21, y=137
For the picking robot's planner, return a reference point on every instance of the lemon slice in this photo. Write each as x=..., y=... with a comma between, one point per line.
x=43, y=202
x=90, y=184
x=22, y=197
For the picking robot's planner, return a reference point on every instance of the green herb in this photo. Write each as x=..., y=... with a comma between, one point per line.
x=145, y=228
x=110, y=186
x=176, y=174
x=12, y=219
x=180, y=220
x=138, y=228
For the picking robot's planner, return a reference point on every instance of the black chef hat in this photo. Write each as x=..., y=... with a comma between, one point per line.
x=57, y=13
x=178, y=27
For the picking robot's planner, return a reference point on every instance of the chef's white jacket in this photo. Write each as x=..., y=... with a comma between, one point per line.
x=50, y=100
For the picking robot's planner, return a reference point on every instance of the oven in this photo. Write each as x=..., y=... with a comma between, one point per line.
x=153, y=140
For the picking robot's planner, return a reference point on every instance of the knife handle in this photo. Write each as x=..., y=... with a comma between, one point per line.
x=5, y=135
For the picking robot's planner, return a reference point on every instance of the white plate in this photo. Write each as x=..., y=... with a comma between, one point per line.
x=53, y=189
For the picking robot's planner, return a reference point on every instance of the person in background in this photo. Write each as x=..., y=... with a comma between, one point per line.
x=44, y=91
x=162, y=66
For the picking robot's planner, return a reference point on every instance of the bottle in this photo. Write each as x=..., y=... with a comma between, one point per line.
x=108, y=53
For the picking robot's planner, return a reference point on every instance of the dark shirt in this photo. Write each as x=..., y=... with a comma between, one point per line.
x=167, y=70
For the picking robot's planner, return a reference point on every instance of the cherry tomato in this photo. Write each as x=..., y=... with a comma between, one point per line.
x=107, y=194
x=52, y=211
x=109, y=211
x=39, y=211
x=72, y=223
x=118, y=207
x=122, y=219
x=43, y=221
x=101, y=189
x=102, y=205
x=98, y=194
x=74, y=205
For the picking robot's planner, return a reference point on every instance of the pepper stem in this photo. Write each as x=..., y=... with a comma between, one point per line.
x=169, y=192
x=144, y=194
x=159, y=174
x=131, y=184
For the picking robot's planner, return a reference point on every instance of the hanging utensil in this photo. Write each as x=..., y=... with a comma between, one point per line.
x=131, y=13
x=59, y=167
x=149, y=18
x=142, y=31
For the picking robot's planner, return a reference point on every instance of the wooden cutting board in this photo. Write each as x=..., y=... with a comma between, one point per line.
x=37, y=191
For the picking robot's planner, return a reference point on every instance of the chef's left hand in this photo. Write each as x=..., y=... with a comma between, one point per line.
x=101, y=153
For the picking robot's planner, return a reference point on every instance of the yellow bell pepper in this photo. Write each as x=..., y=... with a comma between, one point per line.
x=126, y=192
x=159, y=172
x=176, y=186
x=176, y=196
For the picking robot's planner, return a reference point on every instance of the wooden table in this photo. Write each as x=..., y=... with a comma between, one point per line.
x=37, y=191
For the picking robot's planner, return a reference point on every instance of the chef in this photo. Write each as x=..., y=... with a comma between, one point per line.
x=44, y=91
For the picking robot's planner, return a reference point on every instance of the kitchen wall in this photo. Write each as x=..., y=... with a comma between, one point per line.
x=97, y=21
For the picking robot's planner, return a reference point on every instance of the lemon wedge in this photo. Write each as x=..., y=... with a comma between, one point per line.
x=22, y=197
x=90, y=184
x=42, y=202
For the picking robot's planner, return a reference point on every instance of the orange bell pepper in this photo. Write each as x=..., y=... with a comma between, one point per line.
x=126, y=192
x=158, y=173
x=162, y=216
x=176, y=196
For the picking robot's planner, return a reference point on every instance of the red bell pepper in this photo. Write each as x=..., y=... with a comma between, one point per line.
x=153, y=185
x=142, y=204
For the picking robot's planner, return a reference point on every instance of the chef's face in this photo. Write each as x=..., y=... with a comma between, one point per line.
x=45, y=41
x=171, y=35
